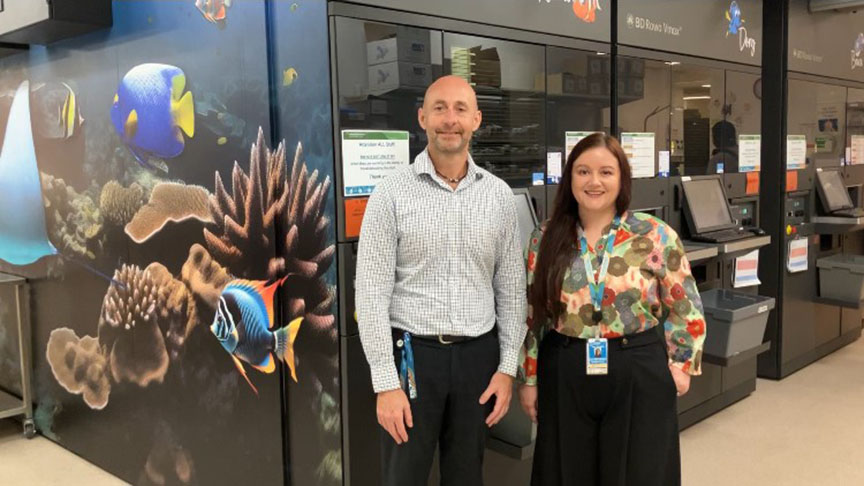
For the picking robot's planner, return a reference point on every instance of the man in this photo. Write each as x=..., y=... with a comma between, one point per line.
x=441, y=281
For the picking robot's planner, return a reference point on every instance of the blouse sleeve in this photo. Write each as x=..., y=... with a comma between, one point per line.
x=527, y=372
x=685, y=324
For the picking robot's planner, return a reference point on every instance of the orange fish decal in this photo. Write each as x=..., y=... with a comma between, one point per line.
x=586, y=10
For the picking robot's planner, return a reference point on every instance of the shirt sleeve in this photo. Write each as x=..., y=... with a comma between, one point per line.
x=531, y=345
x=375, y=277
x=509, y=286
x=685, y=324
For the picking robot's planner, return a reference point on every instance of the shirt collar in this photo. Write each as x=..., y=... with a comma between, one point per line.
x=423, y=165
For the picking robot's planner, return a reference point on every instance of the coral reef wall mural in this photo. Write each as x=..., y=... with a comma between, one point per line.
x=176, y=229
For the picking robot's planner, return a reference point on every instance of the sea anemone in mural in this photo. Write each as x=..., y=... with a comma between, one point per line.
x=169, y=202
x=119, y=204
x=79, y=366
x=273, y=224
x=74, y=221
x=129, y=329
x=151, y=113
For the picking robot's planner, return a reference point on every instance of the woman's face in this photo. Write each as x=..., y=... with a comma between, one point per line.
x=596, y=180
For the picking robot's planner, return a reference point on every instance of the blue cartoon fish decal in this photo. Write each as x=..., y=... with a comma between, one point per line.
x=151, y=113
x=244, y=325
x=733, y=15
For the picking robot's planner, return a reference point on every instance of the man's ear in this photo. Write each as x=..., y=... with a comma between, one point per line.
x=478, y=119
x=421, y=118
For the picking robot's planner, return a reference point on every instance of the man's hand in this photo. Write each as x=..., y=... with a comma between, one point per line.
x=501, y=385
x=528, y=400
x=394, y=413
x=682, y=380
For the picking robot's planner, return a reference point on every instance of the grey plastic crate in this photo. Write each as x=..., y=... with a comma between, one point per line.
x=841, y=277
x=735, y=321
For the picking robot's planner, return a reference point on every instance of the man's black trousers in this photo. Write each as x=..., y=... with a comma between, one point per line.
x=447, y=411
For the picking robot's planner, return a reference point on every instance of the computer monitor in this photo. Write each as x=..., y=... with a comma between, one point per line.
x=832, y=191
x=527, y=216
x=707, y=206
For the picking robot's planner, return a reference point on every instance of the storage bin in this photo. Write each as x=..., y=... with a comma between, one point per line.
x=735, y=321
x=841, y=277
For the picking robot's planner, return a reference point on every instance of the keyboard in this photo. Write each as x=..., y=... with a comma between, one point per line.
x=849, y=213
x=722, y=236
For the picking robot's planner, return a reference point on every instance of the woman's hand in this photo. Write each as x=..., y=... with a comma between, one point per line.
x=528, y=400
x=682, y=380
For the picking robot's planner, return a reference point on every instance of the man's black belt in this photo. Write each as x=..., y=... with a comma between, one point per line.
x=442, y=338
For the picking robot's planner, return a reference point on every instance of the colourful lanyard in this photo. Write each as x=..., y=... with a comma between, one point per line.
x=598, y=286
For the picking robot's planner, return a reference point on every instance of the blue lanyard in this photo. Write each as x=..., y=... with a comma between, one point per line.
x=598, y=286
x=407, y=378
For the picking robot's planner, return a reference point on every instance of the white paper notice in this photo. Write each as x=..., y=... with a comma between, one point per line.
x=857, y=150
x=571, y=139
x=749, y=153
x=796, y=152
x=663, y=163
x=746, y=272
x=639, y=148
x=553, y=167
x=797, y=261
x=368, y=156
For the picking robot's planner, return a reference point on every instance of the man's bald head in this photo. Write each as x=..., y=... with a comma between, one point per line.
x=450, y=86
x=449, y=116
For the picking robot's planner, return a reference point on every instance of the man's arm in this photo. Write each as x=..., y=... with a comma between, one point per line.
x=376, y=274
x=509, y=285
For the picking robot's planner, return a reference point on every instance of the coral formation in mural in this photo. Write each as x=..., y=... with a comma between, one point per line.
x=169, y=202
x=119, y=204
x=168, y=462
x=79, y=366
x=205, y=279
x=73, y=219
x=129, y=330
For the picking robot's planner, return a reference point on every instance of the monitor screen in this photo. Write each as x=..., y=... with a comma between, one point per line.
x=834, y=191
x=527, y=218
x=708, y=206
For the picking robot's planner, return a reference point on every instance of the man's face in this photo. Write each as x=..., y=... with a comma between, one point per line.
x=449, y=115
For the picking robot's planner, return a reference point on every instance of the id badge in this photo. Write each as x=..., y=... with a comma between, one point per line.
x=597, y=357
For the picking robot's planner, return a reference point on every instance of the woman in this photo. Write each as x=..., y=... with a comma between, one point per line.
x=596, y=270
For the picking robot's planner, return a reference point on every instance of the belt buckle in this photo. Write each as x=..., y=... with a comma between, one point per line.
x=442, y=341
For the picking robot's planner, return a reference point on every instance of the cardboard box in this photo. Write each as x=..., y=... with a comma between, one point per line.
x=558, y=83
x=394, y=75
x=409, y=45
x=577, y=66
x=487, y=67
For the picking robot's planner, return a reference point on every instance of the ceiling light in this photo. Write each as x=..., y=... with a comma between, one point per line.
x=688, y=98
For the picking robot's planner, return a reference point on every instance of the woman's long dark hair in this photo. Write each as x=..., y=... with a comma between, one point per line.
x=559, y=243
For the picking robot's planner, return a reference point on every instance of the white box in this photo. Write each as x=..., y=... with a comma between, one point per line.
x=394, y=75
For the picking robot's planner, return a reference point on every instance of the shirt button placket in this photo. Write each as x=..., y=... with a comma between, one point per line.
x=453, y=227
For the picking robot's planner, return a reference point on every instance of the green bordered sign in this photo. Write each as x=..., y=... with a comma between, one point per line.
x=369, y=156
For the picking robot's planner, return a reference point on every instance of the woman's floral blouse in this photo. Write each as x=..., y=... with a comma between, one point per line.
x=648, y=282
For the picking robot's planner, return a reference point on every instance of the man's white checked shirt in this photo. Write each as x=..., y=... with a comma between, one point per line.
x=433, y=260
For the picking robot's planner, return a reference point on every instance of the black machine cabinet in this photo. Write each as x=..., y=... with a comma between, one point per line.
x=30, y=22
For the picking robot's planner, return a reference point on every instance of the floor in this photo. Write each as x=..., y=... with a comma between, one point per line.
x=799, y=431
